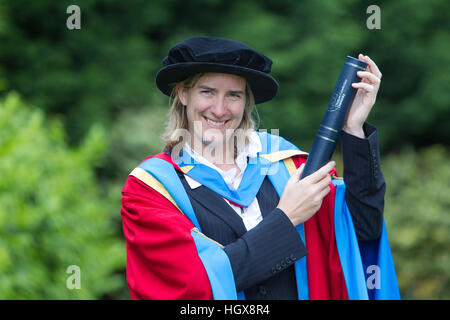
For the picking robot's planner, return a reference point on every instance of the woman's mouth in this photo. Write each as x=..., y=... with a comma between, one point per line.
x=215, y=124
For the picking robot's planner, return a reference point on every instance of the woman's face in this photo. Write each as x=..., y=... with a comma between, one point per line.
x=215, y=107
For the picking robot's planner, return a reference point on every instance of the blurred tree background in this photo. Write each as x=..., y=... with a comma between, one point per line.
x=79, y=109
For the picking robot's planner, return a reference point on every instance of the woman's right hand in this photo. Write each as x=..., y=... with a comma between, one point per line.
x=302, y=198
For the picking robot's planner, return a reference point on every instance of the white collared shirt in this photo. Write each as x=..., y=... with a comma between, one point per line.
x=251, y=215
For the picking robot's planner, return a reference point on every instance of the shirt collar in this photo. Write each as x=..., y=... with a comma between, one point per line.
x=251, y=150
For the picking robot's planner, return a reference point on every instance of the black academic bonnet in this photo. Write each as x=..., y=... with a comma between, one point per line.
x=209, y=54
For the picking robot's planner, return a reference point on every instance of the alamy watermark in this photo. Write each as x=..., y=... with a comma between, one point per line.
x=219, y=144
x=374, y=279
x=374, y=20
x=74, y=280
x=74, y=20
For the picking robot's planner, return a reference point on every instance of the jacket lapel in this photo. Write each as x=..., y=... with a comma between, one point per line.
x=217, y=206
x=267, y=197
x=252, y=179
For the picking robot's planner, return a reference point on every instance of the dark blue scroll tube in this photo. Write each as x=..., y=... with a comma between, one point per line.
x=333, y=120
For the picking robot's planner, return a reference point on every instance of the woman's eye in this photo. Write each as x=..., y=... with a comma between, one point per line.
x=206, y=92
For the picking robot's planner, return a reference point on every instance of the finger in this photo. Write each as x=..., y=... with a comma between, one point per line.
x=321, y=173
x=324, y=192
x=298, y=173
x=373, y=66
x=324, y=183
x=365, y=86
x=362, y=58
x=369, y=76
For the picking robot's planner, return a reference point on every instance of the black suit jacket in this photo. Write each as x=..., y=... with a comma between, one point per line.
x=262, y=258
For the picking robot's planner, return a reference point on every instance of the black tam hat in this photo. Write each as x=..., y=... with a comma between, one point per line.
x=209, y=54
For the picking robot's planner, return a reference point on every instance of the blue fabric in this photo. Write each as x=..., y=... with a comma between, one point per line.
x=368, y=267
x=374, y=256
x=255, y=172
x=279, y=181
x=217, y=266
x=248, y=188
x=214, y=259
x=273, y=143
x=301, y=273
x=378, y=253
x=241, y=295
x=165, y=173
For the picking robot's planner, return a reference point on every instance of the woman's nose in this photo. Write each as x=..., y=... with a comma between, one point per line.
x=219, y=107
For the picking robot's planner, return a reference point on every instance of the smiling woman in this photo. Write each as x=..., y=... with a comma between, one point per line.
x=222, y=101
x=214, y=109
x=222, y=212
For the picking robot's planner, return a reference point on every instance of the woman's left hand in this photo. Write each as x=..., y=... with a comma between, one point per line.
x=364, y=99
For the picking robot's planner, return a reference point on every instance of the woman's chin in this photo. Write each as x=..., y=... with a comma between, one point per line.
x=213, y=143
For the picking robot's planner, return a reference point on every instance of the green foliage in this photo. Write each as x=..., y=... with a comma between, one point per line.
x=52, y=214
x=96, y=89
x=418, y=221
x=134, y=137
x=86, y=75
x=93, y=74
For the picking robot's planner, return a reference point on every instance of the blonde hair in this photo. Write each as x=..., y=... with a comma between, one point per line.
x=177, y=119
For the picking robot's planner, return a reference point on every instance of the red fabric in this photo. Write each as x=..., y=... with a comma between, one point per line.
x=162, y=260
x=325, y=277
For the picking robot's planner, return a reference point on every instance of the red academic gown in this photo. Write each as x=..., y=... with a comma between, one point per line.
x=162, y=259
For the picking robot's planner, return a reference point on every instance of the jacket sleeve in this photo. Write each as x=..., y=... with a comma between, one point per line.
x=162, y=260
x=365, y=184
x=269, y=248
